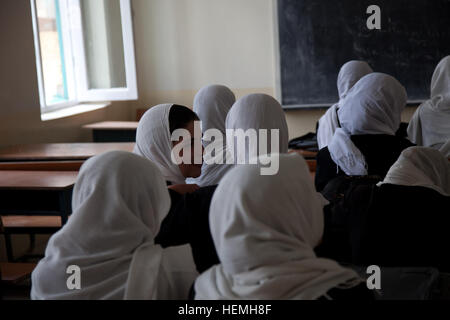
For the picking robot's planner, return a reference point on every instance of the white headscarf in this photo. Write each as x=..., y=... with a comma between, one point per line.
x=373, y=106
x=119, y=201
x=421, y=166
x=445, y=149
x=265, y=229
x=212, y=104
x=153, y=141
x=258, y=111
x=349, y=75
x=430, y=124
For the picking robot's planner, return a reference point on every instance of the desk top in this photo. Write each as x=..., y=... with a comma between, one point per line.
x=305, y=154
x=113, y=125
x=37, y=180
x=15, y=272
x=60, y=151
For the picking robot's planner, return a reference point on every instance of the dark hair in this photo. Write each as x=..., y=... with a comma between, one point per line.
x=180, y=117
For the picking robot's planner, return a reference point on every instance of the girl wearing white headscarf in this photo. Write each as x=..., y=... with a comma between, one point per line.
x=188, y=219
x=430, y=124
x=212, y=104
x=119, y=201
x=349, y=75
x=420, y=166
x=257, y=112
x=402, y=221
x=265, y=237
x=445, y=149
x=154, y=140
x=365, y=144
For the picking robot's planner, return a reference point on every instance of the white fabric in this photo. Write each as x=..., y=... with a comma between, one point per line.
x=212, y=104
x=421, y=166
x=349, y=75
x=328, y=124
x=430, y=124
x=119, y=201
x=258, y=112
x=445, y=149
x=265, y=229
x=373, y=106
x=153, y=141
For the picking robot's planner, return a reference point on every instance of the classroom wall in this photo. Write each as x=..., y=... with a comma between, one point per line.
x=183, y=45
x=20, y=120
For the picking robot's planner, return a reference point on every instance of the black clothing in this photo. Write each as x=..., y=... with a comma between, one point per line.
x=380, y=152
x=188, y=223
x=389, y=226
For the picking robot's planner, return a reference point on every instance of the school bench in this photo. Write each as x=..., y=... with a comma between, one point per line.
x=42, y=165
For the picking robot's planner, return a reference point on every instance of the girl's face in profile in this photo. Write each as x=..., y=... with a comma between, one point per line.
x=191, y=170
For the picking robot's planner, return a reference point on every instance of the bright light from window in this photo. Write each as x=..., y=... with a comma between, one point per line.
x=84, y=51
x=52, y=51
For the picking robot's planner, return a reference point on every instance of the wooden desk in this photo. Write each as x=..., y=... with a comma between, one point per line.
x=43, y=193
x=113, y=131
x=42, y=165
x=309, y=155
x=60, y=151
x=16, y=272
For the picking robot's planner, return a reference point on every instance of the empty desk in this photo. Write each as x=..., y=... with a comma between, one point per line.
x=42, y=195
x=37, y=193
x=60, y=151
x=113, y=131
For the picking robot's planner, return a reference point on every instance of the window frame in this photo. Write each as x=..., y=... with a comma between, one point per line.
x=74, y=58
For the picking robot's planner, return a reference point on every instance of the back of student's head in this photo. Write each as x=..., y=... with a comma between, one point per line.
x=373, y=106
x=421, y=166
x=264, y=229
x=258, y=219
x=119, y=201
x=257, y=113
x=350, y=73
x=212, y=104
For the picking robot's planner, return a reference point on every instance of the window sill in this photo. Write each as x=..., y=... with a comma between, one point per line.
x=74, y=110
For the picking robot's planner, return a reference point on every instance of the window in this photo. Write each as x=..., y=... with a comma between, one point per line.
x=84, y=51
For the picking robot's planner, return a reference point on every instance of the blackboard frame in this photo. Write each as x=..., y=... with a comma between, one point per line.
x=278, y=84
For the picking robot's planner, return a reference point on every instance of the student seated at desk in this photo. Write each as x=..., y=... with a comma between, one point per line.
x=350, y=73
x=188, y=223
x=265, y=229
x=402, y=221
x=259, y=112
x=110, y=237
x=188, y=219
x=366, y=143
x=154, y=141
x=430, y=124
x=212, y=104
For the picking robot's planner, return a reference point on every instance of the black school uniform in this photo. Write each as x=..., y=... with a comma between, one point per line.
x=390, y=226
x=188, y=223
x=380, y=152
